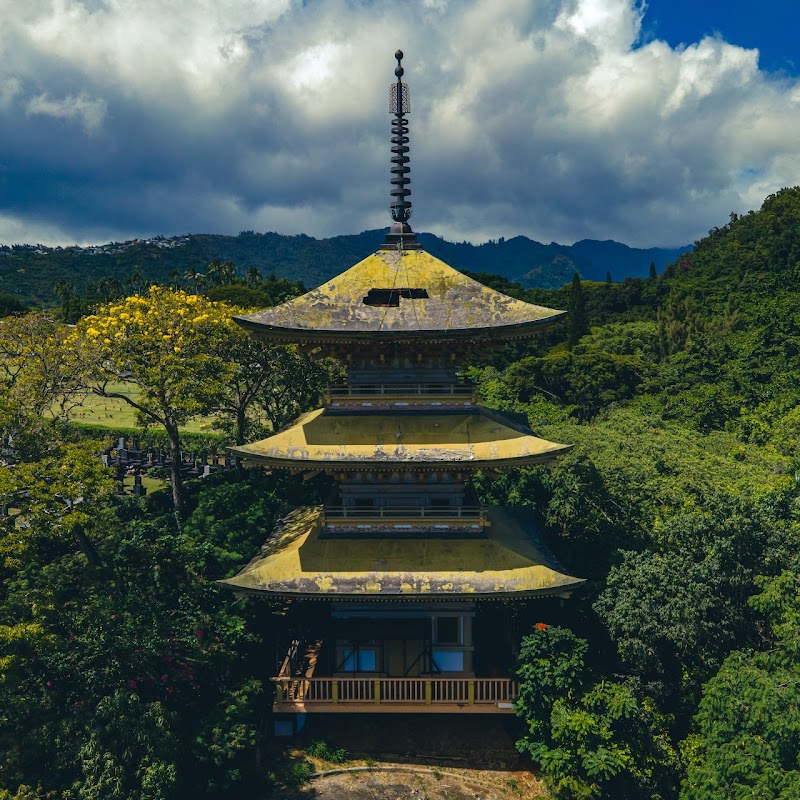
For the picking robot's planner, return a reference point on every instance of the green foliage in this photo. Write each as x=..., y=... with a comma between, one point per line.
x=11, y=305
x=298, y=773
x=748, y=721
x=587, y=380
x=133, y=676
x=590, y=740
x=576, y=321
x=319, y=748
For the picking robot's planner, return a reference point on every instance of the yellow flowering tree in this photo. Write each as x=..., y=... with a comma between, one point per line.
x=40, y=379
x=158, y=352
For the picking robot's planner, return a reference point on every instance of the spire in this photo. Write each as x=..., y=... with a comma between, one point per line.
x=400, y=236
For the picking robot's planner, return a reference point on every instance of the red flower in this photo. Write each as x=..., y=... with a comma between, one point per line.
x=131, y=684
x=540, y=626
x=200, y=634
x=49, y=684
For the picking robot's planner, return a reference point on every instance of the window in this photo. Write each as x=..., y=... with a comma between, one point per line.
x=448, y=660
x=448, y=630
x=357, y=658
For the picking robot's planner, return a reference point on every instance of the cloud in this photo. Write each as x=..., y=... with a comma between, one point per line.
x=90, y=111
x=550, y=118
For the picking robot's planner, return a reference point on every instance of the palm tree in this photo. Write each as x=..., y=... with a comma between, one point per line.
x=195, y=277
x=64, y=290
x=135, y=281
x=253, y=277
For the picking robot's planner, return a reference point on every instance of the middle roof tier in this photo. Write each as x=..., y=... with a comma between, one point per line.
x=473, y=439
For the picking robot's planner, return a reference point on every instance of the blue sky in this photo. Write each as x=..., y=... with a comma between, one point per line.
x=770, y=25
x=557, y=119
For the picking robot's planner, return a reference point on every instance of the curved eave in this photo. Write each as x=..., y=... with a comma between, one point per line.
x=297, y=562
x=476, y=438
x=359, y=464
x=289, y=335
x=565, y=590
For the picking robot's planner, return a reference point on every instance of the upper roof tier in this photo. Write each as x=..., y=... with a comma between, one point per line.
x=400, y=294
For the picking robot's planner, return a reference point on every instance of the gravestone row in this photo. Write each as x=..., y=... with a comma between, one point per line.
x=132, y=458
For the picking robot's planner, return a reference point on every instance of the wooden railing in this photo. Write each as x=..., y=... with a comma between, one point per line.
x=399, y=691
x=343, y=512
x=401, y=389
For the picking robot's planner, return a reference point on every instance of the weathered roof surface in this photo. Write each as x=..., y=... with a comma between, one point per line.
x=455, y=304
x=296, y=561
x=479, y=437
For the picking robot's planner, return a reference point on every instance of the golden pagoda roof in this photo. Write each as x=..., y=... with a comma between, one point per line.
x=297, y=561
x=427, y=297
x=479, y=437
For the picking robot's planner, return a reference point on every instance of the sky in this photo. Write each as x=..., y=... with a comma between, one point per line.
x=560, y=120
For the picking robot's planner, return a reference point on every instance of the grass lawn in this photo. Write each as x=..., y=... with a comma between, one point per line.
x=151, y=484
x=112, y=413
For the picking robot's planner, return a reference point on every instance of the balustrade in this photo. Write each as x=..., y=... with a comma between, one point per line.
x=399, y=691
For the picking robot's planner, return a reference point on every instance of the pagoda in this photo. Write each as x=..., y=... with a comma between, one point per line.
x=382, y=582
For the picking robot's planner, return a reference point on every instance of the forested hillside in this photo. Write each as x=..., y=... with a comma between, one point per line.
x=32, y=273
x=675, y=672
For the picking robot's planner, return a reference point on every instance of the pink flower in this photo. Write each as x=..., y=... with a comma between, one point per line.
x=49, y=684
x=131, y=684
x=200, y=634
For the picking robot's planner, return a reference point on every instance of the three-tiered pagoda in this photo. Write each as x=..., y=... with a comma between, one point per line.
x=389, y=571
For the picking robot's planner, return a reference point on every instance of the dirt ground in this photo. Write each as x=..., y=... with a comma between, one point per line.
x=435, y=757
x=440, y=784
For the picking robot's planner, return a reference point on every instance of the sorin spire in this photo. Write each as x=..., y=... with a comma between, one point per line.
x=400, y=236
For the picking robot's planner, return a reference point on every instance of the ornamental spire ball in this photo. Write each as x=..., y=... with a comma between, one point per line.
x=400, y=236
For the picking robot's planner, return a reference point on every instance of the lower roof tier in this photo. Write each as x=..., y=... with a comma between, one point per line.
x=297, y=561
x=477, y=438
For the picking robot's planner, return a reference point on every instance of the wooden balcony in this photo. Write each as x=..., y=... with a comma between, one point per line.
x=401, y=395
x=404, y=518
x=396, y=695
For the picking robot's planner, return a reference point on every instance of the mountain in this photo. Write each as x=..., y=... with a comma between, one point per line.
x=31, y=271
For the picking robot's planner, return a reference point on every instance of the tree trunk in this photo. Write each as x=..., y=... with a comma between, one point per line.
x=241, y=423
x=87, y=548
x=175, y=473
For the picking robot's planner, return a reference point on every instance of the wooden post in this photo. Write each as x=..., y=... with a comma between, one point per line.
x=335, y=691
x=377, y=684
x=279, y=693
x=428, y=693
x=471, y=693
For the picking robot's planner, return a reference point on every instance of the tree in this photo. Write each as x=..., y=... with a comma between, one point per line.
x=40, y=378
x=748, y=722
x=279, y=381
x=220, y=274
x=197, y=278
x=577, y=324
x=135, y=678
x=135, y=281
x=156, y=352
x=253, y=277
x=600, y=740
x=653, y=271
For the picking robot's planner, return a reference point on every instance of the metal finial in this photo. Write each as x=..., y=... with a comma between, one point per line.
x=401, y=236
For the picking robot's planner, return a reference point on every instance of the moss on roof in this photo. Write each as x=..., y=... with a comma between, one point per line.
x=454, y=302
x=480, y=437
x=296, y=561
